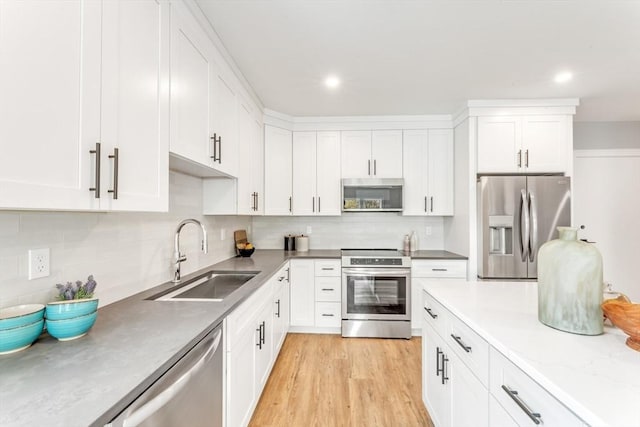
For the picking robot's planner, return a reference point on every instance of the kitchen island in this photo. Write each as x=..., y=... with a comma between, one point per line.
x=597, y=378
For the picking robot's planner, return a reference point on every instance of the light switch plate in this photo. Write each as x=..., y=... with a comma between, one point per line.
x=38, y=263
x=428, y=230
x=309, y=229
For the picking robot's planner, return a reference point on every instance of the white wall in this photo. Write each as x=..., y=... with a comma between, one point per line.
x=351, y=230
x=606, y=135
x=126, y=252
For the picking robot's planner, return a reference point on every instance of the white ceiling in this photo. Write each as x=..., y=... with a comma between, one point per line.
x=429, y=57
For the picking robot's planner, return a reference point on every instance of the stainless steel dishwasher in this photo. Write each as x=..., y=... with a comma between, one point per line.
x=188, y=394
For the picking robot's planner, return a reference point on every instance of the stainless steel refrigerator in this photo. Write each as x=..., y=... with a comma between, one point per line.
x=516, y=215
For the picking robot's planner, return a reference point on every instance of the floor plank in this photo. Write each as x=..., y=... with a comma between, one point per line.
x=327, y=381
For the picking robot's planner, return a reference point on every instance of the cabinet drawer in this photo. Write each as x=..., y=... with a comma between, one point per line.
x=439, y=268
x=328, y=289
x=245, y=314
x=328, y=267
x=328, y=314
x=472, y=349
x=522, y=397
x=435, y=314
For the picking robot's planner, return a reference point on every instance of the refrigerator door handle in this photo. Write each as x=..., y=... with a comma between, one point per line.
x=524, y=226
x=533, y=237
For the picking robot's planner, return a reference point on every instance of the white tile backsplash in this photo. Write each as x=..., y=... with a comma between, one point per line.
x=126, y=252
x=351, y=230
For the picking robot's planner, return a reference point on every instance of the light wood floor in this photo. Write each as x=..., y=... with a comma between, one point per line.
x=327, y=380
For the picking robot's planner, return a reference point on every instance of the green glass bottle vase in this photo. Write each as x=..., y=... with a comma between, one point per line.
x=570, y=284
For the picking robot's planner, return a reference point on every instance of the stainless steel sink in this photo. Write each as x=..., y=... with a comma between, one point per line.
x=212, y=286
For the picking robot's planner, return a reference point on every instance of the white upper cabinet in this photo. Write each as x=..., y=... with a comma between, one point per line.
x=135, y=104
x=50, y=103
x=523, y=144
x=428, y=172
x=204, y=110
x=328, y=184
x=193, y=84
x=386, y=154
x=250, y=163
x=225, y=148
x=372, y=154
x=277, y=171
x=316, y=173
x=94, y=78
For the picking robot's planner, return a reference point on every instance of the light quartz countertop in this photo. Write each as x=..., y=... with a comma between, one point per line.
x=596, y=377
x=90, y=380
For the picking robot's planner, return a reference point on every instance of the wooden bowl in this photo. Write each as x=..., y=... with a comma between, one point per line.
x=626, y=316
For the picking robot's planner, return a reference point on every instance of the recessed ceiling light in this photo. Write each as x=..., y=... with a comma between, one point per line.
x=332, y=82
x=563, y=77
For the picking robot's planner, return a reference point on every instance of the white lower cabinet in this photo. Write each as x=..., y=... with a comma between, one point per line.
x=254, y=336
x=316, y=294
x=453, y=395
x=424, y=269
x=466, y=382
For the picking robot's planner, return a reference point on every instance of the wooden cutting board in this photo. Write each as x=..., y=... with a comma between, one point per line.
x=239, y=236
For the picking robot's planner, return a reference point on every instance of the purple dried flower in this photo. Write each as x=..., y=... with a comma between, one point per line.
x=90, y=286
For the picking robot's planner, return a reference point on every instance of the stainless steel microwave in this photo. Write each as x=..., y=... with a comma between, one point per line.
x=372, y=195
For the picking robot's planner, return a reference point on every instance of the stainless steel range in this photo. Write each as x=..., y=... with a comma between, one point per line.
x=376, y=293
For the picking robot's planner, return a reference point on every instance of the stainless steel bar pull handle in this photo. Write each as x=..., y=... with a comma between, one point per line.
x=444, y=369
x=368, y=167
x=116, y=160
x=438, y=369
x=439, y=269
x=533, y=218
x=319, y=204
x=425, y=203
x=519, y=158
x=327, y=289
x=259, y=331
x=460, y=343
x=513, y=394
x=288, y=275
x=215, y=148
x=278, y=305
x=375, y=169
x=290, y=201
x=428, y=310
x=431, y=203
x=327, y=315
x=220, y=149
x=313, y=204
x=264, y=331
x=526, y=158
x=96, y=188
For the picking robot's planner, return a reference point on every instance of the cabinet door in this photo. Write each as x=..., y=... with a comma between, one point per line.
x=246, y=145
x=469, y=398
x=257, y=167
x=135, y=105
x=263, y=353
x=49, y=103
x=545, y=143
x=436, y=391
x=304, y=173
x=499, y=144
x=241, y=374
x=277, y=171
x=356, y=154
x=192, y=90
x=328, y=184
x=280, y=316
x=225, y=127
x=440, y=172
x=498, y=416
x=414, y=172
x=386, y=154
x=302, y=291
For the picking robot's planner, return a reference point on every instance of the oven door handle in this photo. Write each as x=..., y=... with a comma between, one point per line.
x=377, y=271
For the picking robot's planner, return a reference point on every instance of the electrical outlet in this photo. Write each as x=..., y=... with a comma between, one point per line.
x=38, y=263
x=223, y=233
x=309, y=230
x=428, y=231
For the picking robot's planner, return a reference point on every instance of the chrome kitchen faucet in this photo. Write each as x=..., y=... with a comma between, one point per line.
x=177, y=256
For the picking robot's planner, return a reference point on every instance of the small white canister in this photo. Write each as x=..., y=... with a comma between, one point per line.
x=302, y=243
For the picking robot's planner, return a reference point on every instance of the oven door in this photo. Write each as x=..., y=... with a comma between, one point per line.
x=376, y=293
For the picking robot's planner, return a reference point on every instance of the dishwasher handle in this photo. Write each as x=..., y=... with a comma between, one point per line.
x=145, y=411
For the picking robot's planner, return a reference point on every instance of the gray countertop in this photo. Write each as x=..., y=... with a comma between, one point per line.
x=133, y=342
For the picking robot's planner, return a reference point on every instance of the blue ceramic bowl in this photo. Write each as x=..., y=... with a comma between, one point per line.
x=70, y=329
x=20, y=315
x=16, y=339
x=59, y=310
